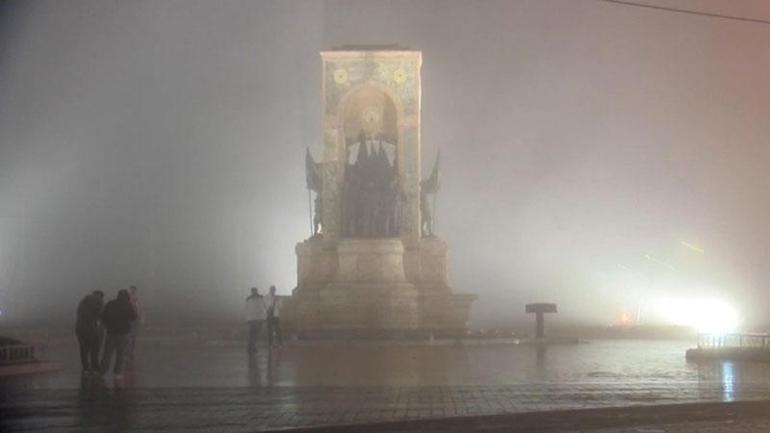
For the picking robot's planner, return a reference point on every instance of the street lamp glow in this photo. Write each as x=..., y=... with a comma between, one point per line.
x=714, y=317
x=709, y=316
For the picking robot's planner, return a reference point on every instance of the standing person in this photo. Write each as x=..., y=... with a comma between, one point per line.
x=273, y=304
x=87, y=330
x=255, y=316
x=134, y=297
x=117, y=317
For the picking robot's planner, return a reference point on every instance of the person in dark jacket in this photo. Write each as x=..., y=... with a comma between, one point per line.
x=117, y=318
x=87, y=330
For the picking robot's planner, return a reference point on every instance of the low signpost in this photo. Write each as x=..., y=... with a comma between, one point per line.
x=539, y=309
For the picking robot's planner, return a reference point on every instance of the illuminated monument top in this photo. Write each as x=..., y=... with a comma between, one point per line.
x=373, y=263
x=371, y=157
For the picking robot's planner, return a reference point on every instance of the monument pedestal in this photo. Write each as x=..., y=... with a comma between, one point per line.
x=374, y=287
x=369, y=291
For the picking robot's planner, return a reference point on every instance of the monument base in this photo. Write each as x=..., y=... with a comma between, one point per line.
x=375, y=287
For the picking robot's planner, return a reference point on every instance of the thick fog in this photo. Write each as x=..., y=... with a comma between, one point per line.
x=162, y=144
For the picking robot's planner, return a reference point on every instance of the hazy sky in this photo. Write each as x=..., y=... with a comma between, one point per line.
x=161, y=143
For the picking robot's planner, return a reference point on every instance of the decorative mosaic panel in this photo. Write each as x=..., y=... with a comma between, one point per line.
x=396, y=70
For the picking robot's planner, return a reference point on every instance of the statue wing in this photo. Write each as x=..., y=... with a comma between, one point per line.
x=312, y=173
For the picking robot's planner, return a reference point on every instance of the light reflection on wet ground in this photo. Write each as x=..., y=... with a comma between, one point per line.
x=340, y=364
x=178, y=387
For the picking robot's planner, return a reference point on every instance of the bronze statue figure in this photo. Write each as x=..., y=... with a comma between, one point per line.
x=428, y=187
x=370, y=196
x=314, y=183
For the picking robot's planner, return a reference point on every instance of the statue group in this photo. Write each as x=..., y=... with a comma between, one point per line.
x=371, y=194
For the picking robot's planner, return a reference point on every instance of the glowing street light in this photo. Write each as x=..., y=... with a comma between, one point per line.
x=710, y=316
x=714, y=317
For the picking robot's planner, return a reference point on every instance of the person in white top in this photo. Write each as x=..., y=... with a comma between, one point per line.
x=273, y=304
x=255, y=314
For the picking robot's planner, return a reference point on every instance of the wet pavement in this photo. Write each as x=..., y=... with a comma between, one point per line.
x=164, y=364
x=215, y=387
x=748, y=426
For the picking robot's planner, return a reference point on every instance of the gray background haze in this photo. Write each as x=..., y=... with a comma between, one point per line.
x=161, y=143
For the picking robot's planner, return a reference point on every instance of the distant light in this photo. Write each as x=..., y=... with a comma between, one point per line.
x=709, y=316
x=625, y=319
x=715, y=317
x=695, y=248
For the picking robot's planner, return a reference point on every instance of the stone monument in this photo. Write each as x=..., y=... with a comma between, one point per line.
x=373, y=264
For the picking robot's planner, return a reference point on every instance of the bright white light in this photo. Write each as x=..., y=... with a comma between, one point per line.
x=715, y=317
x=705, y=315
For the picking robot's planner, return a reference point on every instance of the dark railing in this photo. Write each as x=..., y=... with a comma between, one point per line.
x=734, y=340
x=17, y=354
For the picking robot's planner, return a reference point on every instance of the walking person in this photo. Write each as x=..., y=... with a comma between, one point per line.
x=88, y=332
x=134, y=297
x=255, y=317
x=117, y=317
x=273, y=304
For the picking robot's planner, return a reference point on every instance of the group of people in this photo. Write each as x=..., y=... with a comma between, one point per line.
x=110, y=330
x=260, y=310
x=112, y=326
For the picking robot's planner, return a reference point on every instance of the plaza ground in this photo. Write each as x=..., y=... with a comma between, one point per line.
x=603, y=385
